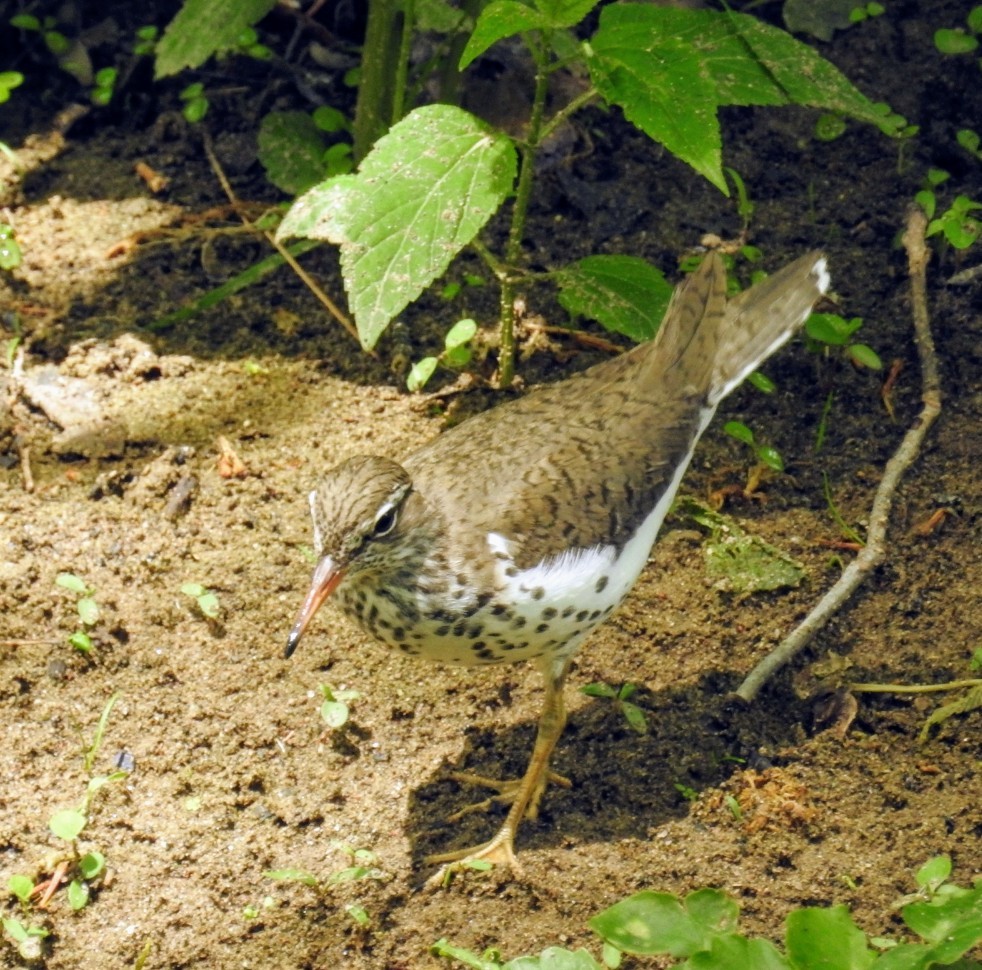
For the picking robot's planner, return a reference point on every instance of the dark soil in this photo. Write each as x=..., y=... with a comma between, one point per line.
x=234, y=772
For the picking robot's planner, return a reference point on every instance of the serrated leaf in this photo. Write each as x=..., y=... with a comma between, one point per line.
x=670, y=69
x=498, y=20
x=826, y=939
x=423, y=192
x=291, y=150
x=624, y=294
x=205, y=27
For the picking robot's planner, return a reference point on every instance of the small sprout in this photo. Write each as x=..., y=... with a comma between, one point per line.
x=958, y=226
x=206, y=600
x=292, y=875
x=67, y=824
x=85, y=606
x=766, y=455
x=359, y=915
x=457, y=353
x=105, y=83
x=633, y=714
x=8, y=81
x=195, y=102
x=22, y=887
x=146, y=41
x=858, y=14
x=91, y=865
x=762, y=382
x=829, y=127
x=734, y=808
x=78, y=894
x=969, y=140
x=954, y=41
x=27, y=938
x=745, y=208
x=831, y=330
x=253, y=368
x=335, y=710
x=10, y=251
x=689, y=794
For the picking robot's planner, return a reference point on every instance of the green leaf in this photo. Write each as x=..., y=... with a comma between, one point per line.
x=15, y=928
x=78, y=894
x=71, y=582
x=88, y=610
x=421, y=372
x=25, y=21
x=498, y=20
x=554, y=958
x=205, y=27
x=826, y=939
x=827, y=328
x=821, y=18
x=457, y=357
x=623, y=293
x=770, y=457
x=330, y=120
x=335, y=713
x=82, y=642
x=21, y=887
x=928, y=201
x=762, y=382
x=865, y=356
x=650, y=923
x=292, y=875
x=829, y=127
x=67, y=824
x=598, y=690
x=423, y=192
x=738, y=430
x=208, y=604
x=641, y=63
x=953, y=924
x=670, y=69
x=193, y=589
x=733, y=952
x=460, y=333
x=954, y=41
x=635, y=717
x=934, y=872
x=291, y=150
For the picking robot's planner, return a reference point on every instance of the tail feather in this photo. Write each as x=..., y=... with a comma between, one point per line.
x=759, y=320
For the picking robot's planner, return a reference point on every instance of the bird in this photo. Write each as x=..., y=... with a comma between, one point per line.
x=514, y=534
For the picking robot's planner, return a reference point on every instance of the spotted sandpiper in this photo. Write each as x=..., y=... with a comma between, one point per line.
x=514, y=534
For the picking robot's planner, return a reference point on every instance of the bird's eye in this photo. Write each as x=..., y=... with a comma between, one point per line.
x=385, y=523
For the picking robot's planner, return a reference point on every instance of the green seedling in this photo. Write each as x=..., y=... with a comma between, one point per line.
x=633, y=714
x=764, y=455
x=826, y=330
x=452, y=290
x=195, y=102
x=204, y=599
x=56, y=42
x=334, y=708
x=145, y=44
x=970, y=141
x=86, y=607
x=10, y=251
x=957, y=224
x=29, y=940
x=456, y=354
x=865, y=12
x=105, y=83
x=687, y=792
x=8, y=81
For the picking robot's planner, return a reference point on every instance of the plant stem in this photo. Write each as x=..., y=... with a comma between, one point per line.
x=513, y=250
x=913, y=688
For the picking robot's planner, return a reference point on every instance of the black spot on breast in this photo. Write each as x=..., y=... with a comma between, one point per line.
x=595, y=614
x=399, y=634
x=569, y=611
x=518, y=622
x=602, y=583
x=459, y=629
x=442, y=631
x=582, y=615
x=548, y=613
x=538, y=593
x=511, y=572
x=542, y=627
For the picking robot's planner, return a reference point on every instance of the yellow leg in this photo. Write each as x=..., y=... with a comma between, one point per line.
x=524, y=795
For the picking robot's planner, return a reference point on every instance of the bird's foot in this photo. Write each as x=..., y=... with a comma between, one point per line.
x=500, y=851
x=508, y=790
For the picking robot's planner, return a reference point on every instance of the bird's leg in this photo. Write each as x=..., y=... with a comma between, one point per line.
x=525, y=794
